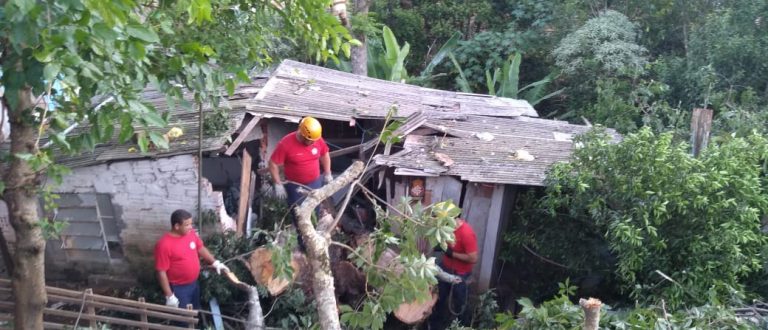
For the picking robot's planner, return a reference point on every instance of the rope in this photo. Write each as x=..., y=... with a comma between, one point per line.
x=450, y=299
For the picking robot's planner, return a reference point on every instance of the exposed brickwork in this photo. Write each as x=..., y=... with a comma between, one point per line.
x=144, y=194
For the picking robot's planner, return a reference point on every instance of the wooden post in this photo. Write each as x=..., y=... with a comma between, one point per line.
x=245, y=189
x=190, y=308
x=492, y=238
x=701, y=125
x=143, y=315
x=88, y=297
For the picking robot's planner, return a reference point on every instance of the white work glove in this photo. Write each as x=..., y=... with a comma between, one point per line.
x=172, y=301
x=327, y=178
x=219, y=267
x=280, y=192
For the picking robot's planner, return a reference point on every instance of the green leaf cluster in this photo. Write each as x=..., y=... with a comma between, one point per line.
x=389, y=64
x=658, y=210
x=425, y=24
x=606, y=44
x=73, y=51
x=410, y=275
x=560, y=313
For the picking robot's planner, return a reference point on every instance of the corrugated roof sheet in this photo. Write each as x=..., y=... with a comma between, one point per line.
x=296, y=89
x=185, y=118
x=476, y=159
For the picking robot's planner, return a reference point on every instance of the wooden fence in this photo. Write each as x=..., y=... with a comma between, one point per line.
x=87, y=309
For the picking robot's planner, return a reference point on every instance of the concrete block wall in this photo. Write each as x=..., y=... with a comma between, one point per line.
x=144, y=193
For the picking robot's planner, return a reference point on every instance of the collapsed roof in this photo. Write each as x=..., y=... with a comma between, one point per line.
x=479, y=138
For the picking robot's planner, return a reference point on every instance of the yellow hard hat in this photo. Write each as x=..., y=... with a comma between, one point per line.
x=310, y=129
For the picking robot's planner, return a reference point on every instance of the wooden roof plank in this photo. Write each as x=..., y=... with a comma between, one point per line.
x=243, y=134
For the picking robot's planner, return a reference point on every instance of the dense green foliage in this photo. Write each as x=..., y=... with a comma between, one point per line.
x=684, y=54
x=118, y=48
x=643, y=217
x=666, y=225
x=86, y=63
x=407, y=277
x=559, y=313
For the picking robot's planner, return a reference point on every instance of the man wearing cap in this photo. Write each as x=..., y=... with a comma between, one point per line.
x=301, y=154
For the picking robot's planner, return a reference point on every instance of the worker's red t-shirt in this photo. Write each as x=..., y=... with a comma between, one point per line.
x=300, y=162
x=465, y=242
x=177, y=256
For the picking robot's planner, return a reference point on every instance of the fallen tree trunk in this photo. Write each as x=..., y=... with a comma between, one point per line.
x=317, y=243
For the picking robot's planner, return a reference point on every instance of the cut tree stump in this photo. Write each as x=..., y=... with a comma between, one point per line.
x=415, y=313
x=591, y=309
x=412, y=312
x=264, y=272
x=350, y=282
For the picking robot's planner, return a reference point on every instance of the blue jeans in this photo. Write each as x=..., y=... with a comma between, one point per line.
x=187, y=294
x=451, y=302
x=295, y=199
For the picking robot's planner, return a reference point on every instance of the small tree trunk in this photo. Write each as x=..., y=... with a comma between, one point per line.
x=317, y=243
x=591, y=309
x=21, y=195
x=359, y=55
x=255, y=314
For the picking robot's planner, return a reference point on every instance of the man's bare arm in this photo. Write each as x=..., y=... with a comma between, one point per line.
x=206, y=255
x=274, y=170
x=325, y=163
x=162, y=277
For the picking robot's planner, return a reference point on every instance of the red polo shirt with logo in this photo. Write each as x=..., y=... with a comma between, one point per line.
x=177, y=257
x=465, y=242
x=301, y=163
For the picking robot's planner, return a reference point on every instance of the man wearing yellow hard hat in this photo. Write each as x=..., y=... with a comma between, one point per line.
x=301, y=154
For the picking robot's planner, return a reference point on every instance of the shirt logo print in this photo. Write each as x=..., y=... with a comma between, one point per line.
x=314, y=151
x=192, y=245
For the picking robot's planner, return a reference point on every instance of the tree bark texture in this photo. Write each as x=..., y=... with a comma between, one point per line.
x=255, y=314
x=21, y=196
x=317, y=243
x=359, y=55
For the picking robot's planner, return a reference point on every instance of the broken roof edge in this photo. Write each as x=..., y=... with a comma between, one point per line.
x=112, y=152
x=318, y=78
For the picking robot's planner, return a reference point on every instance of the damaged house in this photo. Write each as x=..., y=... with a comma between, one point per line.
x=478, y=150
x=117, y=201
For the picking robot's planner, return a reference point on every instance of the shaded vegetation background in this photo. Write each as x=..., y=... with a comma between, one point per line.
x=672, y=240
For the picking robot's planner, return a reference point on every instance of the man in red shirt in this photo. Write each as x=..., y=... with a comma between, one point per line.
x=458, y=260
x=301, y=154
x=177, y=261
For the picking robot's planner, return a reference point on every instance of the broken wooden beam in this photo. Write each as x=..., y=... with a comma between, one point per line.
x=242, y=135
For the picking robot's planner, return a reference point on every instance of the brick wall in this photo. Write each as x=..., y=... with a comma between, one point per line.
x=144, y=193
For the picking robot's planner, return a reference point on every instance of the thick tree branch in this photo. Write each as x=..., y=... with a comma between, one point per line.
x=317, y=196
x=317, y=243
